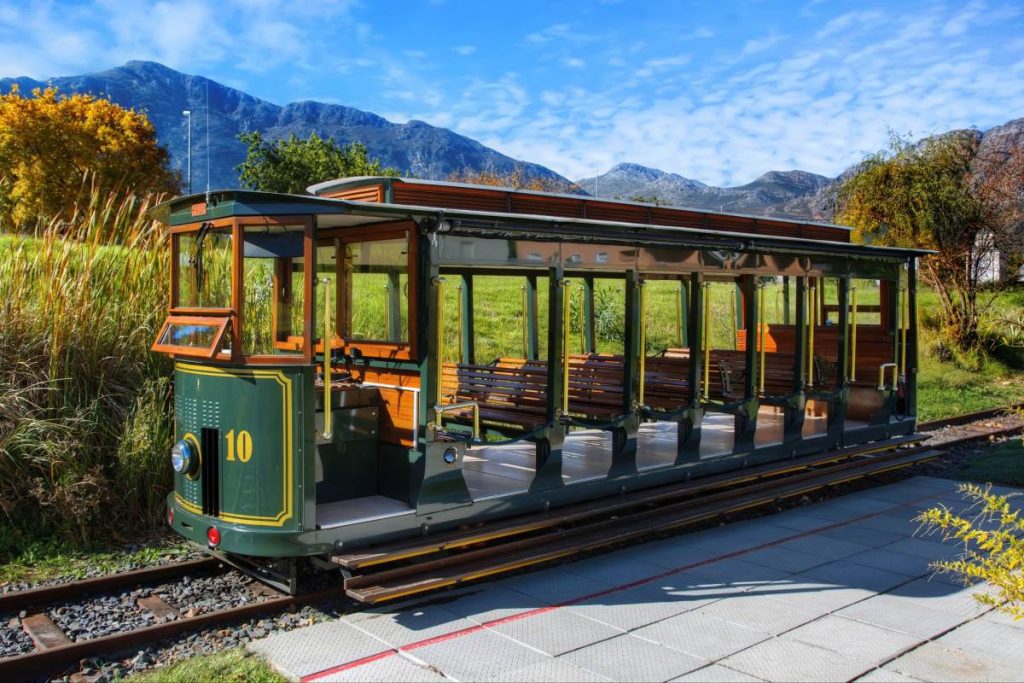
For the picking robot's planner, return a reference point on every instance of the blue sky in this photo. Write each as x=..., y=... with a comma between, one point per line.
x=715, y=91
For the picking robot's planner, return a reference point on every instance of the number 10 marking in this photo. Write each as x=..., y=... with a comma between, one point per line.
x=240, y=444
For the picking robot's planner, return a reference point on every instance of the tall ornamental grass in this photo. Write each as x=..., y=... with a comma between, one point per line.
x=85, y=414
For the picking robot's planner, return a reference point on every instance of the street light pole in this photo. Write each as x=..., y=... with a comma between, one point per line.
x=188, y=115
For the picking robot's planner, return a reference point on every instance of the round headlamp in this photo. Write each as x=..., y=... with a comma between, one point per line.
x=182, y=457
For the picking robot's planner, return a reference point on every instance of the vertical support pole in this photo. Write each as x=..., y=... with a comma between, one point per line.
x=812, y=306
x=439, y=345
x=853, y=335
x=468, y=348
x=394, y=292
x=745, y=423
x=548, y=462
x=786, y=315
x=589, y=343
x=912, y=350
x=688, y=442
x=532, y=335
x=795, y=410
x=683, y=312
x=737, y=313
x=889, y=299
x=837, y=405
x=624, y=436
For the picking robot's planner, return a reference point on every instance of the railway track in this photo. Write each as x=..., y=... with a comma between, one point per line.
x=404, y=569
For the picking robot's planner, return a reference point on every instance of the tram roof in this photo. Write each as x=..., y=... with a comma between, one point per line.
x=349, y=213
x=327, y=187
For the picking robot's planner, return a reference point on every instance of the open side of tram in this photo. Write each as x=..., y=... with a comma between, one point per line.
x=392, y=357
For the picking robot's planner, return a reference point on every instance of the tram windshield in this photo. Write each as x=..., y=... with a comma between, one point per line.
x=204, y=268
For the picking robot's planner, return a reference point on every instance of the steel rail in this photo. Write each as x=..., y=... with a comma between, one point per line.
x=44, y=595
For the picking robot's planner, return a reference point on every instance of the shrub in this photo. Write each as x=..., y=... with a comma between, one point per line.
x=993, y=542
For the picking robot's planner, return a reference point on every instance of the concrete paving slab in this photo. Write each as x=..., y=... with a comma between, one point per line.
x=872, y=538
x=738, y=572
x=701, y=635
x=796, y=520
x=784, y=559
x=557, y=632
x=553, y=670
x=317, y=648
x=628, y=658
x=892, y=561
x=610, y=569
x=865, y=643
x=402, y=627
x=885, y=675
x=958, y=600
x=1003, y=618
x=642, y=605
x=934, y=662
x=480, y=656
x=845, y=573
x=930, y=550
x=487, y=603
x=904, y=526
x=832, y=550
x=791, y=660
x=816, y=596
x=902, y=615
x=393, y=668
x=557, y=585
x=760, y=613
x=989, y=639
x=715, y=673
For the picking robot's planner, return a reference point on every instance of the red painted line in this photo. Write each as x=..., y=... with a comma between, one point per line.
x=608, y=591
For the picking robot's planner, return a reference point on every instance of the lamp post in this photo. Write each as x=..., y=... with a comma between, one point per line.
x=188, y=116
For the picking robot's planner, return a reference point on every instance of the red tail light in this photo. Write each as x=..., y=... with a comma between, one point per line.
x=170, y=516
x=213, y=536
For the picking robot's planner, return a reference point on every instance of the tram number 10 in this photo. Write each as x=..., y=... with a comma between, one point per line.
x=239, y=445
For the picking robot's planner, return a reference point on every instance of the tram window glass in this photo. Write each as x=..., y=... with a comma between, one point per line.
x=724, y=309
x=664, y=315
x=204, y=269
x=610, y=316
x=779, y=300
x=377, y=296
x=867, y=300
x=273, y=289
x=193, y=336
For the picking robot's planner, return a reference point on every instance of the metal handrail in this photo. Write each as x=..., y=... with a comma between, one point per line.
x=441, y=410
x=881, y=375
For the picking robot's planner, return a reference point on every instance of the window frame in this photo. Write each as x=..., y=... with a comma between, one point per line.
x=210, y=352
x=378, y=232
x=303, y=343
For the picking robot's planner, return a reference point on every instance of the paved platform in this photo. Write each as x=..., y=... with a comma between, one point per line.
x=839, y=591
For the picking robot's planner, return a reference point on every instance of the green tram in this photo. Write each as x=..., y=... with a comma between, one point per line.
x=388, y=358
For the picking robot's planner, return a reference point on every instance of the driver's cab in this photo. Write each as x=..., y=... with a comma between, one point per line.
x=257, y=283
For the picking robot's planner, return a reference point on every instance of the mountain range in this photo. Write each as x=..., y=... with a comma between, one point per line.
x=417, y=148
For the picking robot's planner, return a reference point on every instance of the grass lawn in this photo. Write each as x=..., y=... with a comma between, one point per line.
x=236, y=665
x=1003, y=465
x=53, y=559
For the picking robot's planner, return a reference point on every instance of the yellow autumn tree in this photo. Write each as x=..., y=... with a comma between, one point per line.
x=56, y=151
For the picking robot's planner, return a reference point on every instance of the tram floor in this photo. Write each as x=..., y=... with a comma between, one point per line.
x=493, y=471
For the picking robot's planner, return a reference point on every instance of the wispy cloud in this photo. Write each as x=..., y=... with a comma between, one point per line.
x=465, y=50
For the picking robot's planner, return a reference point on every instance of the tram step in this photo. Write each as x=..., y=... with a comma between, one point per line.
x=376, y=556
x=476, y=564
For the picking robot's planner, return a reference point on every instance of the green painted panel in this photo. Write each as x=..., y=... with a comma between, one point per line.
x=259, y=446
